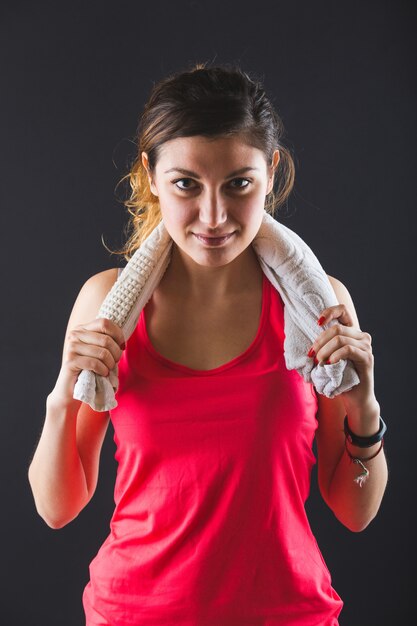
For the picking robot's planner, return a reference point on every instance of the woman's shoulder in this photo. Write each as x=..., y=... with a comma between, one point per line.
x=94, y=290
x=343, y=297
x=102, y=280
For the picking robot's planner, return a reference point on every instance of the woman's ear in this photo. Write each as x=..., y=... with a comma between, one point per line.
x=272, y=168
x=145, y=163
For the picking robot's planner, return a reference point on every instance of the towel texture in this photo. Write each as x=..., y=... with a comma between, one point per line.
x=289, y=264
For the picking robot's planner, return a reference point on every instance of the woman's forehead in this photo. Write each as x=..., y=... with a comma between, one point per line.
x=181, y=152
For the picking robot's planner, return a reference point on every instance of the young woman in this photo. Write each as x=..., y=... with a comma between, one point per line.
x=214, y=435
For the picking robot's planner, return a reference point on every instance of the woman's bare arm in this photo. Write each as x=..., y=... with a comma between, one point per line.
x=64, y=469
x=354, y=506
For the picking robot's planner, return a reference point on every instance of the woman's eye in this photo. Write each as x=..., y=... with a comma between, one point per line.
x=181, y=180
x=244, y=180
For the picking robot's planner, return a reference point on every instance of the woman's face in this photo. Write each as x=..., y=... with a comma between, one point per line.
x=214, y=198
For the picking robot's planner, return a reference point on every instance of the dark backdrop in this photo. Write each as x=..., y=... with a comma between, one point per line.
x=75, y=76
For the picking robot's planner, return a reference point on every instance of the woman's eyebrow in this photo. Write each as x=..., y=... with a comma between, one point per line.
x=195, y=175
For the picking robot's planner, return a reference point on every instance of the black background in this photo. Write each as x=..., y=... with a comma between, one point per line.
x=75, y=77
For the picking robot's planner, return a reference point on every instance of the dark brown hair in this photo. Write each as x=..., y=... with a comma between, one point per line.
x=215, y=102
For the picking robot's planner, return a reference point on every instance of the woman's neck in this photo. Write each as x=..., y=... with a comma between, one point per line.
x=202, y=284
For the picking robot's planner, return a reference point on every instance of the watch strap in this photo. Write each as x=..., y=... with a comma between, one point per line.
x=364, y=442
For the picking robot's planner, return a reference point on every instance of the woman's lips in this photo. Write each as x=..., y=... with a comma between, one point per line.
x=213, y=241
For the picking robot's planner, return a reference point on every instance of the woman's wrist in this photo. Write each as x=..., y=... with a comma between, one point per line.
x=59, y=403
x=364, y=421
x=359, y=446
x=62, y=395
x=361, y=452
x=363, y=448
x=362, y=441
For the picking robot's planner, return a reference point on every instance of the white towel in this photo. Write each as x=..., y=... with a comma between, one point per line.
x=289, y=264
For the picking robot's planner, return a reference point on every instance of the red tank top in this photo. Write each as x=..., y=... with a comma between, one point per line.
x=209, y=527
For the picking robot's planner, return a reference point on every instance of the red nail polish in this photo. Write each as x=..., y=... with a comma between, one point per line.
x=328, y=362
x=321, y=320
x=311, y=353
x=316, y=360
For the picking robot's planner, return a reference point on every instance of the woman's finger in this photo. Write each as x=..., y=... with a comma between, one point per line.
x=339, y=312
x=96, y=352
x=337, y=332
x=105, y=327
x=339, y=347
x=98, y=339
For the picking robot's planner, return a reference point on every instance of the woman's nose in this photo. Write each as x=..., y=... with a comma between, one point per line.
x=212, y=212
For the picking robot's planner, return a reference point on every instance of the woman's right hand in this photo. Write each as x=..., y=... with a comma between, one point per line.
x=96, y=346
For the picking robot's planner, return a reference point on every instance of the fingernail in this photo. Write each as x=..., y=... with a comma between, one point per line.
x=321, y=320
x=316, y=360
x=311, y=352
x=328, y=362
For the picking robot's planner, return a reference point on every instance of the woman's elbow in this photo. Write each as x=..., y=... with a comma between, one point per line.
x=355, y=525
x=56, y=523
x=53, y=519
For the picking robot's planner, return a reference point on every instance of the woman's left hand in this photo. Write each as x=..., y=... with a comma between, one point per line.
x=344, y=341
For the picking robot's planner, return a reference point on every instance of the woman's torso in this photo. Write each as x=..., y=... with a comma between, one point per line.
x=215, y=456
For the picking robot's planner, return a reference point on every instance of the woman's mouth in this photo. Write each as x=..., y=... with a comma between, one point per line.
x=213, y=241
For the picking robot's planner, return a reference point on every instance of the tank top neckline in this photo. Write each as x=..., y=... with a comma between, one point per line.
x=266, y=290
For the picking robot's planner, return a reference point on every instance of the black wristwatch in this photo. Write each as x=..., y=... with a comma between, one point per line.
x=364, y=442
